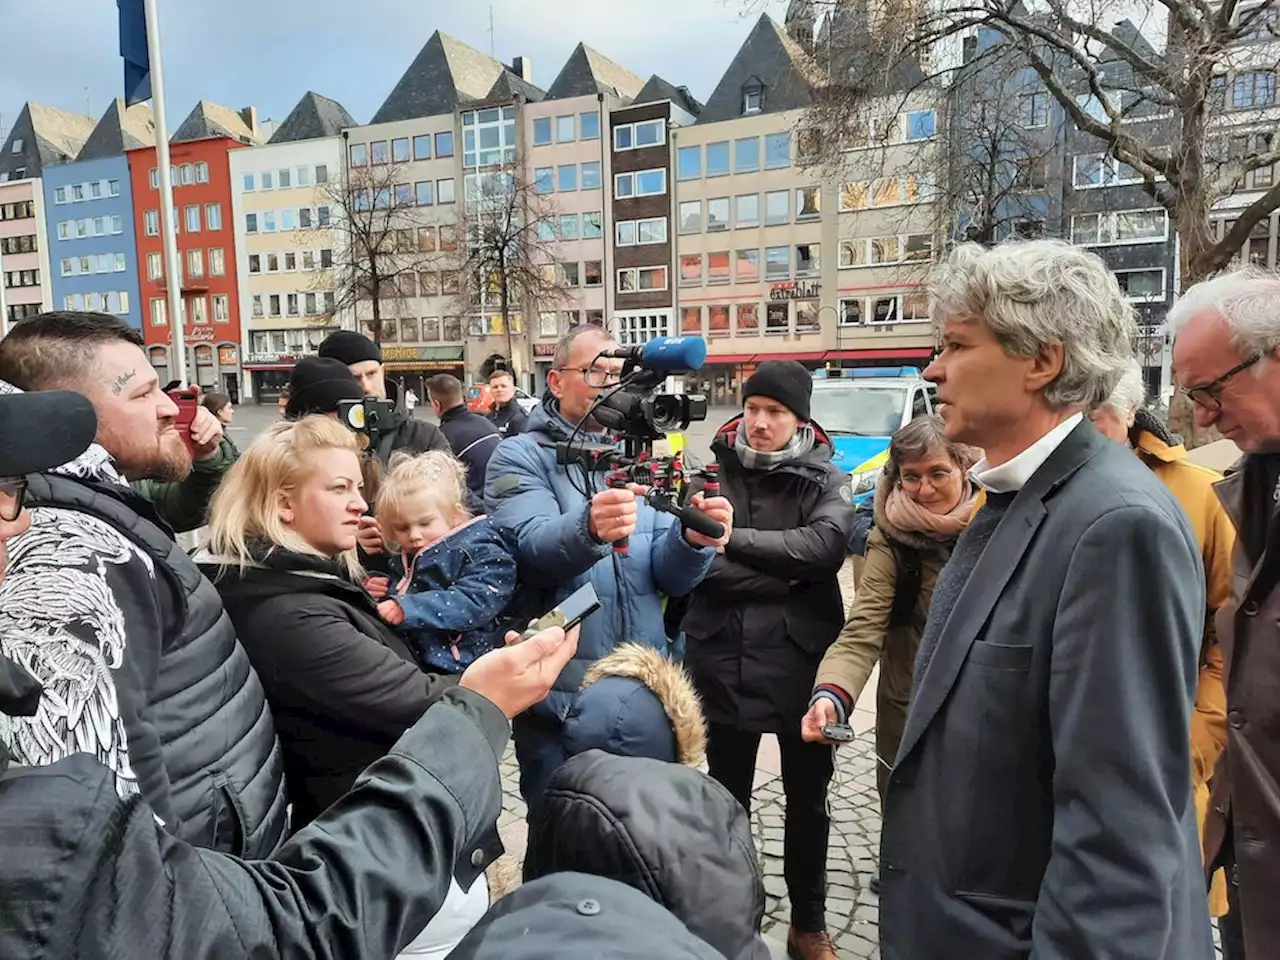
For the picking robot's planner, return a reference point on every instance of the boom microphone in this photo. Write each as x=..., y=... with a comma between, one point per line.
x=665, y=355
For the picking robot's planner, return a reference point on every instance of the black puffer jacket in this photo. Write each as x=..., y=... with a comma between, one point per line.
x=342, y=685
x=139, y=662
x=759, y=623
x=667, y=830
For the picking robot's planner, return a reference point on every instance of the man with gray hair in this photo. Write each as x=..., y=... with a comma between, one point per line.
x=1226, y=349
x=1041, y=796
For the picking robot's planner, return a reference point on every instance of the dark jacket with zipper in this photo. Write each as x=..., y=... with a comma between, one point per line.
x=140, y=665
x=769, y=608
x=342, y=686
x=411, y=436
x=510, y=418
x=473, y=438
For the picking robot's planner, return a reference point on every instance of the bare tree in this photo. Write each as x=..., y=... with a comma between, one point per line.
x=380, y=248
x=507, y=250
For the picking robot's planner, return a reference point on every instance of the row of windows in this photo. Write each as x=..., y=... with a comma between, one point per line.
x=195, y=309
x=114, y=302
x=746, y=319
x=22, y=311
x=90, y=227
x=302, y=304
x=193, y=264
x=93, y=190
x=640, y=183
x=571, y=273
x=635, y=233
x=401, y=149
x=777, y=264
x=488, y=137
x=290, y=261
x=1125, y=226
x=745, y=154
x=183, y=175
x=22, y=278
x=567, y=129
x=908, y=127
x=641, y=279
x=564, y=178
x=190, y=217
x=552, y=323
x=639, y=135
x=571, y=226
x=292, y=218
x=283, y=342
x=286, y=178
x=424, y=193
x=22, y=210
x=895, y=308
x=95, y=263
x=887, y=192
x=875, y=251
x=27, y=243
x=746, y=210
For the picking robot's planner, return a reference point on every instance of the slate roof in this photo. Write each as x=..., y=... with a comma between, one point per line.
x=845, y=39
x=210, y=121
x=787, y=73
x=656, y=89
x=313, y=117
x=588, y=72
x=445, y=73
x=509, y=86
x=49, y=136
x=121, y=129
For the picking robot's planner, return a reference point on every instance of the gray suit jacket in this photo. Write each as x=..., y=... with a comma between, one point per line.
x=1041, y=802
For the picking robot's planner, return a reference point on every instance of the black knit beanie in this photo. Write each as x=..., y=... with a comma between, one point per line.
x=318, y=384
x=786, y=381
x=350, y=347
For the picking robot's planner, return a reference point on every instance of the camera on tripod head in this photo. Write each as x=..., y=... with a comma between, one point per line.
x=637, y=413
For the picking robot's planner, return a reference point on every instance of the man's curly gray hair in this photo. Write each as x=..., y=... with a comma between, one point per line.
x=1032, y=294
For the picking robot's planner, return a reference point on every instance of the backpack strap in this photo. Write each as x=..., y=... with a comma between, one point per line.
x=907, y=584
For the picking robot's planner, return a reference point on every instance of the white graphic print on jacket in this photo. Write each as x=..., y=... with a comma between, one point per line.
x=60, y=620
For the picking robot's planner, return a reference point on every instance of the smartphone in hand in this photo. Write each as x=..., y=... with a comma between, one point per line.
x=188, y=402
x=570, y=612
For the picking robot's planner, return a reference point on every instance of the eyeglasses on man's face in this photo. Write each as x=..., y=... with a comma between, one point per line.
x=1209, y=395
x=12, y=492
x=595, y=376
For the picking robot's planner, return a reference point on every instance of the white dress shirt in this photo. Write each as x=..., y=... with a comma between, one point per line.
x=1013, y=475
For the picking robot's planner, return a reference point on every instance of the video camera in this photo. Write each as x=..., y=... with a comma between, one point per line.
x=637, y=414
x=371, y=416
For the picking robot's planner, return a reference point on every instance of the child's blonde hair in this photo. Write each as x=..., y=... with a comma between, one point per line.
x=440, y=476
x=246, y=506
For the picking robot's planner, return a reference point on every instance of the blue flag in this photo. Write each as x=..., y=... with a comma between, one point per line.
x=133, y=47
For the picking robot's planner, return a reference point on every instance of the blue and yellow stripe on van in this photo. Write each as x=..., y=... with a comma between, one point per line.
x=862, y=458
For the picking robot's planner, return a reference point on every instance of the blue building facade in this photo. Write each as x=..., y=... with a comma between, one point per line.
x=93, y=261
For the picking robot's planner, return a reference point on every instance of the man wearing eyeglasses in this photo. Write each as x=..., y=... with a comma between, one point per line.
x=564, y=522
x=1225, y=355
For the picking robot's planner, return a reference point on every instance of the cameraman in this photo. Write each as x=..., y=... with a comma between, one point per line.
x=564, y=539
x=363, y=358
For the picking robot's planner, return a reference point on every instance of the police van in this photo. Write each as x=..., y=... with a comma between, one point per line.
x=861, y=408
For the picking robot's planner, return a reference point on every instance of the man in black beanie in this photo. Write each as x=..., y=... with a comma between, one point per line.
x=318, y=385
x=759, y=623
x=363, y=358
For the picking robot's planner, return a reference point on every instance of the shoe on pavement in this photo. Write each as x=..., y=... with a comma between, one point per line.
x=810, y=946
x=875, y=882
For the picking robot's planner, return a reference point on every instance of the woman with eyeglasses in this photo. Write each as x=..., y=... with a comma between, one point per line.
x=922, y=505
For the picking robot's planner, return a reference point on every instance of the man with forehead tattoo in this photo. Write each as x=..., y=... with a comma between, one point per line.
x=140, y=665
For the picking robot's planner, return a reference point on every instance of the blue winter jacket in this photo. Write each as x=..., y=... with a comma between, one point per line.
x=535, y=503
x=458, y=591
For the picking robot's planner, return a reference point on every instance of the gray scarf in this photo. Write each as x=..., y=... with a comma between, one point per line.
x=751, y=459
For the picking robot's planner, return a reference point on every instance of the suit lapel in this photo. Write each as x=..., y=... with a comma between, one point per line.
x=991, y=574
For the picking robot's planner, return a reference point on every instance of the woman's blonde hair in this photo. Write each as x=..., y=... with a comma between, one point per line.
x=438, y=475
x=246, y=506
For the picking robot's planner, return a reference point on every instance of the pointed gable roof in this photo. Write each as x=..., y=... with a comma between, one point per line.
x=509, y=86
x=210, y=121
x=656, y=89
x=49, y=136
x=121, y=129
x=313, y=117
x=772, y=58
x=445, y=73
x=588, y=72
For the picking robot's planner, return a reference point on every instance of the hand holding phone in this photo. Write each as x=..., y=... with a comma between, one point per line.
x=188, y=403
x=568, y=614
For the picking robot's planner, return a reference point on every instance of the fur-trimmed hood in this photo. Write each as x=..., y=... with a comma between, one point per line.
x=635, y=702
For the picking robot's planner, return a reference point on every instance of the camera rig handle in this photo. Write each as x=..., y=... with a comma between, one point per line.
x=618, y=480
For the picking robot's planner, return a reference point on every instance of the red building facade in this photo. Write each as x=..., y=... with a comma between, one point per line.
x=207, y=259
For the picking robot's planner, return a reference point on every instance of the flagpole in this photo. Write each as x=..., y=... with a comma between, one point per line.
x=168, y=232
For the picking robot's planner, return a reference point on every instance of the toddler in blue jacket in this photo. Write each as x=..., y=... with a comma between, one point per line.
x=454, y=575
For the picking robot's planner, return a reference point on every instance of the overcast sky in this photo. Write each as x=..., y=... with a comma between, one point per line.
x=232, y=52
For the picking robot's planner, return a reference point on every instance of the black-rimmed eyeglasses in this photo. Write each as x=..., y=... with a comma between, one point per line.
x=12, y=492
x=1206, y=395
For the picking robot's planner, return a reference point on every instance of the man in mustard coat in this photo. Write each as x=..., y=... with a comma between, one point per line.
x=1125, y=420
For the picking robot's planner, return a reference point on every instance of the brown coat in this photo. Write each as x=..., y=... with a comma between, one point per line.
x=1245, y=797
x=868, y=638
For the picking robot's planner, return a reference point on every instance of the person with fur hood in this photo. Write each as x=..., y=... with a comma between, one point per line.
x=923, y=503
